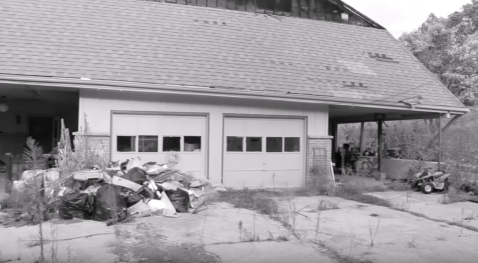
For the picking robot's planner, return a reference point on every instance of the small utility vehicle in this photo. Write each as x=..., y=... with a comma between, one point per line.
x=428, y=182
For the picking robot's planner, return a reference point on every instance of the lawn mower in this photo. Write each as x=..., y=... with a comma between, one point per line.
x=428, y=182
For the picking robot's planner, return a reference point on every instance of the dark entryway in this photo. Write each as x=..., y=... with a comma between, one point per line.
x=45, y=130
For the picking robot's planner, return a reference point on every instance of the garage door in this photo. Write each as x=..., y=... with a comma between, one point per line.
x=154, y=137
x=260, y=152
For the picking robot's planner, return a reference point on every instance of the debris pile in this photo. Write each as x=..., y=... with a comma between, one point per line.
x=121, y=192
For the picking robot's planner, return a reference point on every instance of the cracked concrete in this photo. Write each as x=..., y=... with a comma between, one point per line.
x=380, y=234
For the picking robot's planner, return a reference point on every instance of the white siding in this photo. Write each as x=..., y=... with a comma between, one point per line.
x=98, y=105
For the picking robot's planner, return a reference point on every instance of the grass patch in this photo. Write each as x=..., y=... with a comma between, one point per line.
x=366, y=199
x=256, y=200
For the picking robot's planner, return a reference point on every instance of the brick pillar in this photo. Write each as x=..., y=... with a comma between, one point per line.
x=318, y=158
x=97, y=142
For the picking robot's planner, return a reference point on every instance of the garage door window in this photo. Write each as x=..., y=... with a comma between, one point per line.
x=253, y=144
x=126, y=143
x=147, y=143
x=171, y=144
x=292, y=144
x=192, y=143
x=235, y=144
x=273, y=144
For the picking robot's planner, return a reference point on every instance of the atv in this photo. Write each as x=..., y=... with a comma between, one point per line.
x=428, y=182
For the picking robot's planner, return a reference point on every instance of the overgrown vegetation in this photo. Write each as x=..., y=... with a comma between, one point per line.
x=256, y=200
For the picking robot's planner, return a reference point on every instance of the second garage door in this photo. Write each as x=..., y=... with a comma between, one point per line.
x=263, y=152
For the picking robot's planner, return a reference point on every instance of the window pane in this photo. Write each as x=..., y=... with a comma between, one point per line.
x=171, y=144
x=192, y=143
x=253, y=144
x=126, y=143
x=292, y=144
x=234, y=144
x=274, y=144
x=147, y=143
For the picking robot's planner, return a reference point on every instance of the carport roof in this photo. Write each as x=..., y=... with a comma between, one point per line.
x=222, y=51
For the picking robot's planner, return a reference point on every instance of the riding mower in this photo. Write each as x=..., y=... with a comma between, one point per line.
x=428, y=182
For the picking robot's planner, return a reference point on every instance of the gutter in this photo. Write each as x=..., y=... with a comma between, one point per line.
x=86, y=83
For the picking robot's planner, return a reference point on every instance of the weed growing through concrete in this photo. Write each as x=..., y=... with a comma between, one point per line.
x=327, y=205
x=373, y=234
x=240, y=230
x=71, y=258
x=412, y=243
x=54, y=243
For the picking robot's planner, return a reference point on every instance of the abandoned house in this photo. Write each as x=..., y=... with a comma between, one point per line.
x=246, y=93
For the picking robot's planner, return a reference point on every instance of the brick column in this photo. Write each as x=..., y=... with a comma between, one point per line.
x=96, y=142
x=318, y=158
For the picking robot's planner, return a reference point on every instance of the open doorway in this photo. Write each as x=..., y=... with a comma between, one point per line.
x=45, y=130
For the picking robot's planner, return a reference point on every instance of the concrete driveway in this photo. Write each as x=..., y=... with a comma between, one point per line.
x=431, y=205
x=367, y=233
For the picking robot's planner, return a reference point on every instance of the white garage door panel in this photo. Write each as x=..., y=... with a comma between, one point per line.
x=162, y=126
x=263, y=168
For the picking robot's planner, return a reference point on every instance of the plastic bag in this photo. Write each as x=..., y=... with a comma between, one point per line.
x=132, y=197
x=133, y=163
x=136, y=175
x=109, y=203
x=76, y=205
x=180, y=200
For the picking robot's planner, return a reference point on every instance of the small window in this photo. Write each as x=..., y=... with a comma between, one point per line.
x=171, y=144
x=192, y=143
x=291, y=144
x=274, y=144
x=253, y=144
x=234, y=144
x=126, y=143
x=147, y=144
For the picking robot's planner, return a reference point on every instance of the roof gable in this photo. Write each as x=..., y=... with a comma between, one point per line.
x=160, y=43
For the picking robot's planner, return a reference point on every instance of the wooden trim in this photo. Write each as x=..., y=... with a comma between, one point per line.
x=321, y=137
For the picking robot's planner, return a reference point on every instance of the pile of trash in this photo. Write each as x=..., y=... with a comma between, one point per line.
x=121, y=192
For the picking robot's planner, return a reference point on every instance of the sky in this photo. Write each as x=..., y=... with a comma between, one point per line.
x=400, y=16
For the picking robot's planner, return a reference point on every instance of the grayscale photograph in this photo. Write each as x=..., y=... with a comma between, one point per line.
x=239, y=131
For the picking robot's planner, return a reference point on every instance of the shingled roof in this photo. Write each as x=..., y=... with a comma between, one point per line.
x=161, y=43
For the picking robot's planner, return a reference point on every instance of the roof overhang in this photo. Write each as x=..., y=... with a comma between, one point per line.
x=125, y=86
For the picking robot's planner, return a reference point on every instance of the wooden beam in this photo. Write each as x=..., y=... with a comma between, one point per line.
x=335, y=132
x=362, y=137
x=448, y=125
x=388, y=117
x=439, y=143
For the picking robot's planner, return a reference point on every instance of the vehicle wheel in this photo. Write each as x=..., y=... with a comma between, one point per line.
x=427, y=188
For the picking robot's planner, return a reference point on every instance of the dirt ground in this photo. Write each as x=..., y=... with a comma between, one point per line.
x=340, y=231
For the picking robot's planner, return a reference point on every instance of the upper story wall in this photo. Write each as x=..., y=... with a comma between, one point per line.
x=325, y=10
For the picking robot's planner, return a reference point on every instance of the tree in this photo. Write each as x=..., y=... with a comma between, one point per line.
x=448, y=47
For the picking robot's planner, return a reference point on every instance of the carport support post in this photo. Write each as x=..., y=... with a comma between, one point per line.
x=439, y=142
x=379, y=135
x=362, y=137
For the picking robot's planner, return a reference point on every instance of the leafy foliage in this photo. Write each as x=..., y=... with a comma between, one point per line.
x=448, y=47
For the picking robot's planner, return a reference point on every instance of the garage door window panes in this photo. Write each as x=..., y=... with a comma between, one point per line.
x=192, y=143
x=171, y=144
x=291, y=144
x=273, y=144
x=148, y=143
x=253, y=144
x=235, y=144
x=126, y=143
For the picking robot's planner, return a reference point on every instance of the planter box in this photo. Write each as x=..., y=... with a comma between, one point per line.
x=398, y=168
